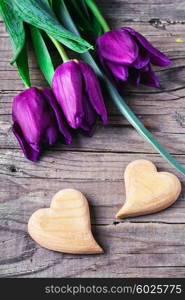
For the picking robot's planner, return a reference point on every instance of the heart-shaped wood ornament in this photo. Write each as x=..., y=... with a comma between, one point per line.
x=148, y=191
x=65, y=226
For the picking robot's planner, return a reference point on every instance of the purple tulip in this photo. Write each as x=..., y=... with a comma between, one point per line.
x=127, y=56
x=78, y=92
x=38, y=121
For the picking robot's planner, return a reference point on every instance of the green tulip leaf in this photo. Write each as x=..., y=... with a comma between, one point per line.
x=42, y=54
x=81, y=14
x=15, y=28
x=96, y=28
x=40, y=14
x=23, y=67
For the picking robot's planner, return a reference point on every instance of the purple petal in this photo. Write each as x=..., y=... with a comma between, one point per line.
x=87, y=130
x=90, y=115
x=27, y=149
x=67, y=87
x=134, y=77
x=51, y=136
x=156, y=57
x=118, y=71
x=89, y=122
x=142, y=60
x=93, y=90
x=31, y=111
x=145, y=68
x=117, y=46
x=34, y=123
x=26, y=112
x=58, y=115
x=149, y=78
x=104, y=66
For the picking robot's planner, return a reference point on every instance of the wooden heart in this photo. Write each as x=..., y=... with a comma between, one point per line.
x=148, y=191
x=65, y=226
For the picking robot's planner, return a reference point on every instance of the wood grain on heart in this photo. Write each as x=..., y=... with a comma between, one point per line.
x=148, y=191
x=65, y=226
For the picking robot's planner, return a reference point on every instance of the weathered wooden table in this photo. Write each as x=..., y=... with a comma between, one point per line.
x=149, y=246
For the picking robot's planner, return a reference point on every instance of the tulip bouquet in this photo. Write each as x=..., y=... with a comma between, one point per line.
x=74, y=100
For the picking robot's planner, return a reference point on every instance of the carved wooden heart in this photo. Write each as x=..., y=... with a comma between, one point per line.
x=65, y=226
x=148, y=191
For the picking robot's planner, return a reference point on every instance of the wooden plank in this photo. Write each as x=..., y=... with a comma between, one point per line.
x=150, y=109
x=164, y=38
x=132, y=250
x=112, y=139
x=142, y=10
x=98, y=175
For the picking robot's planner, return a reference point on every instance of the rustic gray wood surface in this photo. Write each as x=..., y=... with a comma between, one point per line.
x=148, y=246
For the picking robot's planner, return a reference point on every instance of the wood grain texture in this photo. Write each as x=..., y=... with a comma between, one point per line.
x=64, y=226
x=132, y=250
x=147, y=190
x=147, y=246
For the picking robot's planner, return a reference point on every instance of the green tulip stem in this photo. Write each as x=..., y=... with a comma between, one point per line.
x=26, y=85
x=94, y=8
x=60, y=49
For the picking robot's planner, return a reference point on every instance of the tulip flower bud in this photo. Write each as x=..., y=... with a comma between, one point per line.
x=126, y=55
x=37, y=121
x=78, y=93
